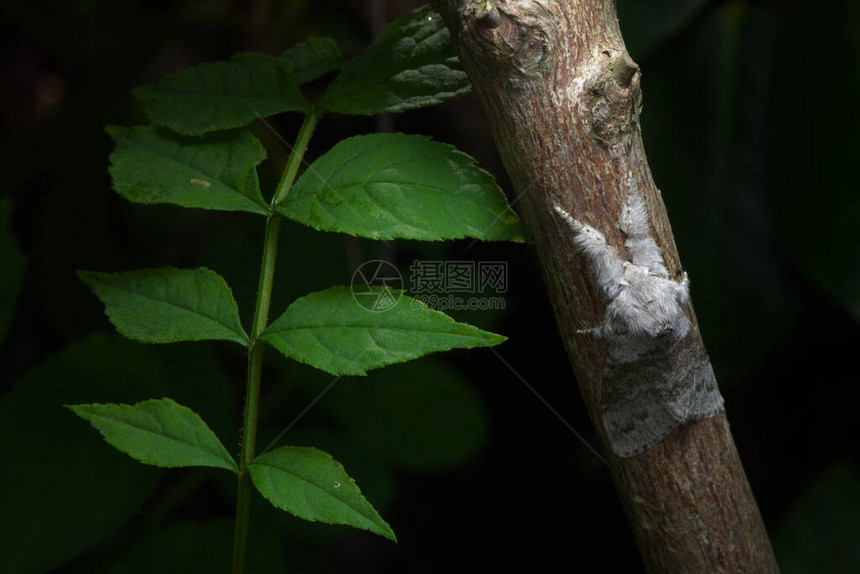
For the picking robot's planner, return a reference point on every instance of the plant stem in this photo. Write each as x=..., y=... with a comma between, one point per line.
x=295, y=159
x=252, y=394
x=256, y=347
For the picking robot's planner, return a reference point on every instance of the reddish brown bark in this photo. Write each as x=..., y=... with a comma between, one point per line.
x=563, y=97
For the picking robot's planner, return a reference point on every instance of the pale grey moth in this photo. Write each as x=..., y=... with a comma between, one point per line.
x=657, y=375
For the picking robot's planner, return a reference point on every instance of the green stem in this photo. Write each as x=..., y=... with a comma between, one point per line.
x=296, y=155
x=256, y=347
x=252, y=395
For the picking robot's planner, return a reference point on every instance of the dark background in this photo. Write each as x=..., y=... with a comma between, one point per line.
x=750, y=122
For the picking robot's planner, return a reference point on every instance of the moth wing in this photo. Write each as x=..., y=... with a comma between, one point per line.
x=634, y=426
x=644, y=400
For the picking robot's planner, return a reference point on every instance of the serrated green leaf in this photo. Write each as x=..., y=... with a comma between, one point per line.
x=374, y=475
x=13, y=263
x=151, y=165
x=312, y=485
x=312, y=59
x=168, y=305
x=387, y=186
x=331, y=331
x=222, y=95
x=411, y=64
x=158, y=432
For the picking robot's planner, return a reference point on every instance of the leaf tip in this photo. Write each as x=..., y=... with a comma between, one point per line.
x=113, y=131
x=88, y=278
x=496, y=339
x=74, y=408
x=388, y=533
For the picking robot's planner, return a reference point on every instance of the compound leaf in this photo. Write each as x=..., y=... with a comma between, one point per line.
x=387, y=186
x=312, y=485
x=312, y=59
x=152, y=166
x=223, y=95
x=168, y=305
x=346, y=333
x=158, y=432
x=411, y=64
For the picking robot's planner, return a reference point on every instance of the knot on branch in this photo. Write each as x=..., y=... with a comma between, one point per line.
x=614, y=99
x=513, y=33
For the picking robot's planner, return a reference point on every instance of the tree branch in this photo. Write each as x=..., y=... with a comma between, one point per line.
x=563, y=99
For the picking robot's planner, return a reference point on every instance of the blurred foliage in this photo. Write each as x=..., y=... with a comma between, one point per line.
x=819, y=533
x=199, y=547
x=14, y=264
x=65, y=490
x=423, y=416
x=648, y=26
x=750, y=122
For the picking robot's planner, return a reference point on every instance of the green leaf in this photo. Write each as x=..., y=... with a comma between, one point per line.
x=819, y=532
x=312, y=59
x=312, y=485
x=13, y=264
x=222, y=95
x=375, y=476
x=152, y=166
x=411, y=64
x=158, y=432
x=387, y=186
x=331, y=331
x=168, y=305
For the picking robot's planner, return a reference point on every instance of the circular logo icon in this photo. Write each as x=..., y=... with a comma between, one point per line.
x=377, y=285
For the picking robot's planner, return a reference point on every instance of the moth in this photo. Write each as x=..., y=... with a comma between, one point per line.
x=657, y=375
